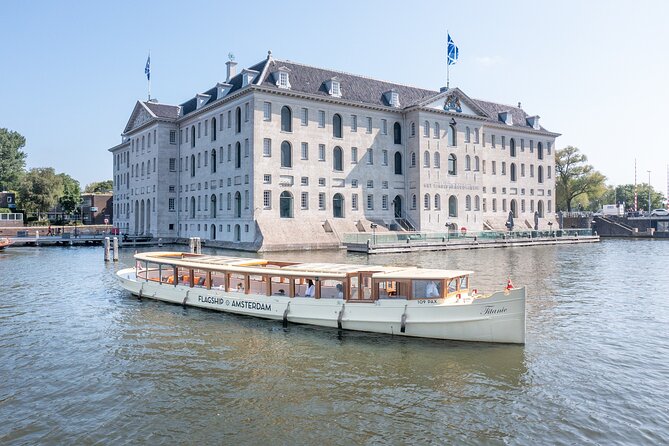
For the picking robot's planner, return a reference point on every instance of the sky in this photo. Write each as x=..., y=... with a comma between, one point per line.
x=595, y=71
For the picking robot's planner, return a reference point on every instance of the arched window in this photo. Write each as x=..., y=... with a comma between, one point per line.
x=413, y=159
x=286, y=119
x=467, y=134
x=148, y=167
x=213, y=129
x=336, y=126
x=452, y=135
x=142, y=168
x=413, y=129
x=452, y=164
x=338, y=159
x=398, y=163
x=426, y=202
x=238, y=120
x=238, y=233
x=426, y=159
x=229, y=201
x=413, y=201
x=238, y=155
x=436, y=130
x=540, y=174
x=213, y=160
x=476, y=164
x=212, y=207
x=540, y=151
x=397, y=133
x=437, y=160
x=512, y=169
x=192, y=136
x=238, y=204
x=286, y=154
x=286, y=205
x=192, y=207
x=192, y=165
x=437, y=202
x=512, y=147
x=477, y=203
x=426, y=129
x=468, y=162
x=468, y=203
x=338, y=206
x=452, y=206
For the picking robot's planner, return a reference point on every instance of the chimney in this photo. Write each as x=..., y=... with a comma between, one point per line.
x=232, y=69
x=519, y=105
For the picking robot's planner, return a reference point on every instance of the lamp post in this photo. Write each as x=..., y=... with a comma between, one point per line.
x=550, y=228
x=373, y=226
x=649, y=221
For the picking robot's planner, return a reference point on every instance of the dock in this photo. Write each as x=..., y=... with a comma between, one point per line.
x=386, y=243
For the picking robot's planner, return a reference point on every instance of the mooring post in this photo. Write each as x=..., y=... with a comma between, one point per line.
x=106, y=249
x=191, y=245
x=115, y=249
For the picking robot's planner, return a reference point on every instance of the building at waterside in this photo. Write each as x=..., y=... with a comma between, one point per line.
x=284, y=155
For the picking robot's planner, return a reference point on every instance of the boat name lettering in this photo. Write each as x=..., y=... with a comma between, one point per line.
x=251, y=305
x=427, y=301
x=210, y=300
x=490, y=309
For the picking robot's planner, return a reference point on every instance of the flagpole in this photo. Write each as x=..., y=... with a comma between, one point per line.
x=149, y=77
x=448, y=64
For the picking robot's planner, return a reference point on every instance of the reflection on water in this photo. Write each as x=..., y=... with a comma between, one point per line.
x=84, y=362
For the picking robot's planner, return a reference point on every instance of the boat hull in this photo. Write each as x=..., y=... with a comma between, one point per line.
x=497, y=318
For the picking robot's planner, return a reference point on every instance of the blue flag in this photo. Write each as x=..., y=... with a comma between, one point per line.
x=452, y=51
x=147, y=69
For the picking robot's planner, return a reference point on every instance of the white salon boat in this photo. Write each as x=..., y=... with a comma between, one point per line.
x=404, y=301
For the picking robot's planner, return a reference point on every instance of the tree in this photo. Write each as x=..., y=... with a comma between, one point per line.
x=100, y=186
x=624, y=193
x=12, y=159
x=71, y=197
x=40, y=189
x=574, y=177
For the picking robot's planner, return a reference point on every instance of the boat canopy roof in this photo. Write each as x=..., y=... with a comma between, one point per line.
x=294, y=269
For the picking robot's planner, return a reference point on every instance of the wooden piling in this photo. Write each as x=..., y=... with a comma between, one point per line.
x=115, y=249
x=106, y=249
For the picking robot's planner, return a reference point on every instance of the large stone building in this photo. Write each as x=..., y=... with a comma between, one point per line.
x=284, y=154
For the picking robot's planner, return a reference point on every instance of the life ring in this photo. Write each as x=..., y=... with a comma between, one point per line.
x=463, y=230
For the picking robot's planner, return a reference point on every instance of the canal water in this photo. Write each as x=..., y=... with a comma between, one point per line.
x=83, y=362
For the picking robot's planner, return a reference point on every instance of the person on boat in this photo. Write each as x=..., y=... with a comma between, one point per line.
x=431, y=289
x=311, y=289
x=240, y=288
x=340, y=291
x=281, y=292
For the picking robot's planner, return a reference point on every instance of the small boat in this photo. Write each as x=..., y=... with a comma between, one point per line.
x=404, y=301
x=5, y=242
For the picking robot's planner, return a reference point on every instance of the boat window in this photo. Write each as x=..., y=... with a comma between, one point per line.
x=199, y=277
x=332, y=289
x=305, y=287
x=353, y=287
x=257, y=285
x=453, y=285
x=393, y=289
x=427, y=289
x=464, y=282
x=237, y=281
x=217, y=280
x=280, y=286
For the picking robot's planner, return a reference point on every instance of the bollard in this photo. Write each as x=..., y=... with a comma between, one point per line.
x=191, y=245
x=115, y=249
x=106, y=249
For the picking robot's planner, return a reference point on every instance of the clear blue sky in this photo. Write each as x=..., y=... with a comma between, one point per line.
x=595, y=71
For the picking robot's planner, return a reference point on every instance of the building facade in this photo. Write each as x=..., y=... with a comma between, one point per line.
x=284, y=155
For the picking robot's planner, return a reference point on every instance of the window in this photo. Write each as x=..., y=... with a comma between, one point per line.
x=283, y=79
x=452, y=164
x=304, y=200
x=229, y=119
x=452, y=136
x=413, y=201
x=286, y=119
x=384, y=202
x=354, y=184
x=412, y=126
x=337, y=159
x=305, y=117
x=540, y=151
x=170, y=205
x=452, y=206
x=246, y=148
x=338, y=206
x=437, y=131
x=426, y=159
x=354, y=155
x=321, y=118
x=267, y=147
x=321, y=201
x=531, y=170
x=305, y=151
x=238, y=120
x=426, y=129
x=267, y=199
x=398, y=163
x=384, y=157
x=492, y=141
x=199, y=130
x=412, y=159
x=468, y=203
x=468, y=163
x=354, y=123
x=512, y=169
x=503, y=167
x=476, y=136
x=238, y=155
x=192, y=136
x=548, y=150
x=267, y=179
x=548, y=173
x=369, y=125
x=437, y=202
x=397, y=133
x=173, y=136
x=286, y=205
x=220, y=122
x=512, y=148
x=494, y=167
x=522, y=170
x=384, y=185
x=286, y=154
x=370, y=184
x=336, y=126
x=503, y=142
x=540, y=172
x=321, y=152
x=354, y=202
x=213, y=161
x=192, y=165
x=336, y=90
x=477, y=203
x=370, y=202
x=426, y=202
x=304, y=181
x=370, y=156
x=384, y=127
x=246, y=112
x=267, y=111
x=173, y=164
x=467, y=134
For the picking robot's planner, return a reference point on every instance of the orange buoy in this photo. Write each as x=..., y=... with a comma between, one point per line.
x=509, y=284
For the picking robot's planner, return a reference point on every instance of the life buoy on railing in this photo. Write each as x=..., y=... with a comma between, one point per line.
x=509, y=284
x=463, y=231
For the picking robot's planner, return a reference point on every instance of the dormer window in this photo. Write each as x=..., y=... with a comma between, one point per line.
x=392, y=97
x=282, y=78
x=248, y=76
x=222, y=88
x=506, y=117
x=201, y=100
x=334, y=87
x=533, y=121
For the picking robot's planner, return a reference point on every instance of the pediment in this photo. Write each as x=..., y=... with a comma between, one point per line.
x=140, y=115
x=454, y=101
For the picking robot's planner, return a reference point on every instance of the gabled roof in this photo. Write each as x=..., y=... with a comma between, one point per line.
x=163, y=110
x=354, y=88
x=460, y=94
x=146, y=111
